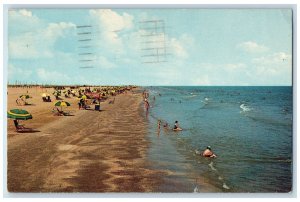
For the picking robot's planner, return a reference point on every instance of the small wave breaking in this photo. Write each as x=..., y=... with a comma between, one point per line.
x=245, y=108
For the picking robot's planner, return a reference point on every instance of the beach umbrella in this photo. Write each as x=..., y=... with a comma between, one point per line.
x=19, y=114
x=25, y=96
x=45, y=94
x=62, y=104
x=83, y=97
x=56, y=93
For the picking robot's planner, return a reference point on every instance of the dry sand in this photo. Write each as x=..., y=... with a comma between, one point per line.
x=89, y=152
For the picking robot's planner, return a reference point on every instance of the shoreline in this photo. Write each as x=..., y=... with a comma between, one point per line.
x=89, y=152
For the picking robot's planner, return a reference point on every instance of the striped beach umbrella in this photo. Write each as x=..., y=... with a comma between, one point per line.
x=62, y=104
x=19, y=114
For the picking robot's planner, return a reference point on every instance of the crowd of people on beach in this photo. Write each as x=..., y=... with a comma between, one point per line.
x=87, y=96
x=205, y=153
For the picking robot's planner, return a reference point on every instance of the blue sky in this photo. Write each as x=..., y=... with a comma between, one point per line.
x=198, y=47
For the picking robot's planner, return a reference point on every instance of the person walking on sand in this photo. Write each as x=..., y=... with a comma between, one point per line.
x=176, y=126
x=208, y=153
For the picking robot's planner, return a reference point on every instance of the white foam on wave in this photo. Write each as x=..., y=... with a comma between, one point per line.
x=245, y=108
x=197, y=151
x=211, y=165
x=196, y=190
x=225, y=186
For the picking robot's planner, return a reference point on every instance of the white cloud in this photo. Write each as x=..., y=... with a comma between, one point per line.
x=55, y=30
x=25, y=12
x=177, y=48
x=38, y=43
x=52, y=76
x=163, y=75
x=103, y=62
x=22, y=21
x=279, y=58
x=180, y=46
x=112, y=21
x=118, y=34
x=235, y=67
x=219, y=74
x=252, y=47
x=229, y=67
x=203, y=80
x=110, y=25
x=275, y=67
x=15, y=72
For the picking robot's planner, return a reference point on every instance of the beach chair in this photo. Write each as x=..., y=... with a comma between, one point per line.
x=58, y=112
x=20, y=102
x=48, y=99
x=112, y=101
x=21, y=128
x=97, y=107
x=86, y=106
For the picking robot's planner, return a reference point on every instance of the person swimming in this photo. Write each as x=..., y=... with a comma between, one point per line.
x=176, y=126
x=208, y=153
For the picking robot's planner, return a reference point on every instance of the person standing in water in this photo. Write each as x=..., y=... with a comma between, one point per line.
x=147, y=105
x=158, y=124
x=158, y=127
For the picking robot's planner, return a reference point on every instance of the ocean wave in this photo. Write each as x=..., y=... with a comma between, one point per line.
x=190, y=96
x=269, y=120
x=245, y=108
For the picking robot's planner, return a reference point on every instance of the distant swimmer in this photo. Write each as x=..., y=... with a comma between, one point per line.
x=208, y=153
x=176, y=126
x=166, y=125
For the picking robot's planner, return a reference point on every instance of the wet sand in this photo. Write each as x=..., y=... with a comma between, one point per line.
x=89, y=152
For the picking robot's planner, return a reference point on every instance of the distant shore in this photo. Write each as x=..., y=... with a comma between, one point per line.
x=90, y=151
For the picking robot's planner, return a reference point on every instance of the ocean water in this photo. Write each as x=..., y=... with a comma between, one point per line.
x=249, y=128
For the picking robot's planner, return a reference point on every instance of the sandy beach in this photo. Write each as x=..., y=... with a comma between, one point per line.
x=90, y=151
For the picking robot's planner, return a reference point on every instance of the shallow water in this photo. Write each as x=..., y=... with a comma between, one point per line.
x=249, y=128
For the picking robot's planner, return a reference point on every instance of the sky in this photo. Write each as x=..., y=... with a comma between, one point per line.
x=199, y=47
